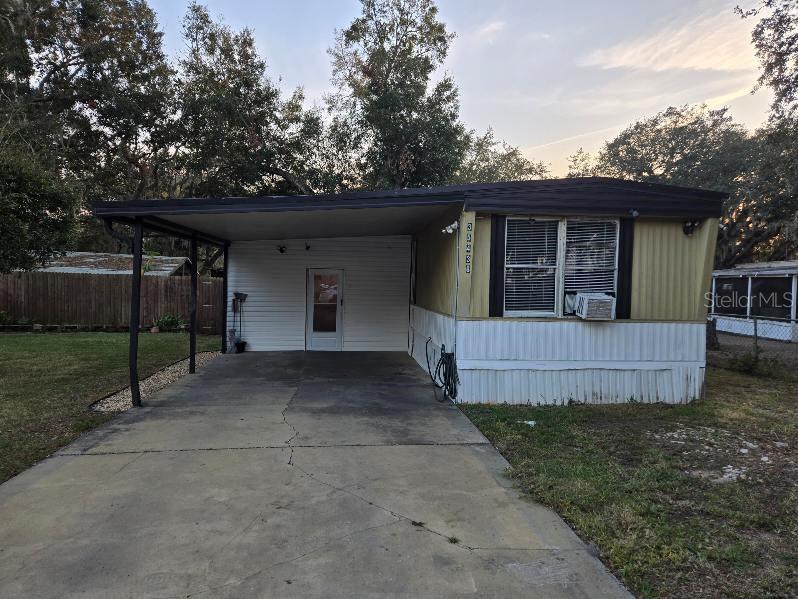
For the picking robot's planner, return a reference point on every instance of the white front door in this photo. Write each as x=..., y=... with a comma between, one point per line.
x=325, y=306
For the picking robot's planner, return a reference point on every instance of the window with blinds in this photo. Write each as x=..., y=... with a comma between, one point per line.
x=591, y=250
x=545, y=261
x=530, y=278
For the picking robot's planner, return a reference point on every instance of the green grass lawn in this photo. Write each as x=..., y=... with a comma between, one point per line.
x=48, y=381
x=682, y=501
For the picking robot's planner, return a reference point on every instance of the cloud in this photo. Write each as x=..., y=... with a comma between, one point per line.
x=718, y=42
x=588, y=134
x=489, y=31
x=727, y=98
x=625, y=94
x=535, y=36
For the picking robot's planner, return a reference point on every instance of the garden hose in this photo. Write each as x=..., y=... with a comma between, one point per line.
x=445, y=376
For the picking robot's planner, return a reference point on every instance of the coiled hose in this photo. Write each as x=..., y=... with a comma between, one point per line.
x=445, y=375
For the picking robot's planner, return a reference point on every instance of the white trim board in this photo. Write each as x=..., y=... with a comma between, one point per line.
x=572, y=365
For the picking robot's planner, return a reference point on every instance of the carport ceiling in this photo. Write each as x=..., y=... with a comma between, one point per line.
x=348, y=222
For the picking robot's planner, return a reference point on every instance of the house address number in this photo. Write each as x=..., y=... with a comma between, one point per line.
x=469, y=240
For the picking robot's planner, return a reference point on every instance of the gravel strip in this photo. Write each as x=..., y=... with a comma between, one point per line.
x=121, y=401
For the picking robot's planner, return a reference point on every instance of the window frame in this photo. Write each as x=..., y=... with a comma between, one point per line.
x=559, y=272
x=557, y=259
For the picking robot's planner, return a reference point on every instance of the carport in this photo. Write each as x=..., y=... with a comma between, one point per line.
x=360, y=242
x=551, y=291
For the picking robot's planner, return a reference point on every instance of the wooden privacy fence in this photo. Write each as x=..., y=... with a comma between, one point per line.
x=93, y=300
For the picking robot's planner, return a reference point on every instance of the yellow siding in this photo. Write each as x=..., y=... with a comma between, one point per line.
x=671, y=272
x=436, y=267
x=465, y=262
x=480, y=274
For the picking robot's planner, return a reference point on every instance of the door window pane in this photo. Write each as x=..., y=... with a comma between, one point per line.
x=325, y=289
x=325, y=303
x=324, y=317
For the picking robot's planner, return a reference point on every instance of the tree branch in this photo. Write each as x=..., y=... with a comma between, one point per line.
x=120, y=237
x=298, y=183
x=210, y=260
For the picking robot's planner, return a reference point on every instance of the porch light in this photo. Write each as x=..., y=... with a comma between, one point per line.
x=690, y=226
x=451, y=228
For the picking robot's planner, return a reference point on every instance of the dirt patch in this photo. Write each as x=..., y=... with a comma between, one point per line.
x=721, y=456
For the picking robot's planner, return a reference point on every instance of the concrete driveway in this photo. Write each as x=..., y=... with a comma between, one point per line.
x=287, y=475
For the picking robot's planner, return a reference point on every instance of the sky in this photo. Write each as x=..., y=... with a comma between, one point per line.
x=549, y=77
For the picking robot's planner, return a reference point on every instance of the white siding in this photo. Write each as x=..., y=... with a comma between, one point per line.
x=554, y=362
x=425, y=324
x=375, y=290
x=578, y=340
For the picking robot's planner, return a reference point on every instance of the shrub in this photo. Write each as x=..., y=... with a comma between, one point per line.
x=749, y=363
x=168, y=322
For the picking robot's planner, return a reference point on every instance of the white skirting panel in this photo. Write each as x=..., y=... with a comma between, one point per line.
x=766, y=329
x=678, y=384
x=556, y=362
x=423, y=325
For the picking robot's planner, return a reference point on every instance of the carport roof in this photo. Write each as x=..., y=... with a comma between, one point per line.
x=402, y=211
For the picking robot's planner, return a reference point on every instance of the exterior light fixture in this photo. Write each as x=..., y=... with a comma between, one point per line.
x=451, y=228
x=690, y=226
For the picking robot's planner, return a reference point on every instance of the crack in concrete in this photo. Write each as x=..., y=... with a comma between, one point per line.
x=233, y=538
x=395, y=514
x=126, y=464
x=420, y=525
x=293, y=428
x=348, y=492
x=387, y=510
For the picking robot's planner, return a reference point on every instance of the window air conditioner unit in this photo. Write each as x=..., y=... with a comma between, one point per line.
x=595, y=306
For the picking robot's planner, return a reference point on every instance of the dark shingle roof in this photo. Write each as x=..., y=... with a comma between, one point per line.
x=586, y=195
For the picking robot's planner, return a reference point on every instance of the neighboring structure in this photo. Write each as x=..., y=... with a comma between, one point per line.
x=95, y=263
x=506, y=276
x=762, y=291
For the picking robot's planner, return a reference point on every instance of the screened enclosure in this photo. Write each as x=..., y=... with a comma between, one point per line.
x=756, y=293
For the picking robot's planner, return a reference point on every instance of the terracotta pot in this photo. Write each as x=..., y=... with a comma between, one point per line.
x=155, y=330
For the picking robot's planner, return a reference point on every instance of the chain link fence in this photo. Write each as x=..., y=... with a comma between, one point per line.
x=753, y=344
